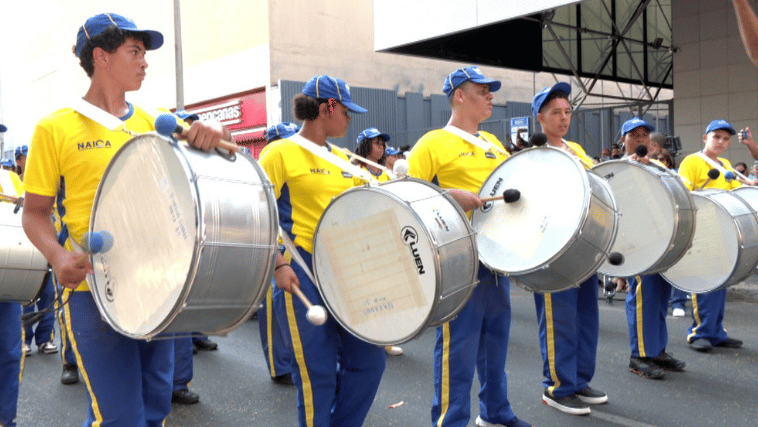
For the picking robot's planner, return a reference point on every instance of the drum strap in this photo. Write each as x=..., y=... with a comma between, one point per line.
x=479, y=142
x=324, y=154
x=718, y=166
x=6, y=183
x=102, y=117
x=290, y=246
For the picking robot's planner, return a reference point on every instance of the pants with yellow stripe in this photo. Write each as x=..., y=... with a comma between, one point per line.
x=569, y=326
x=647, y=304
x=276, y=349
x=336, y=374
x=477, y=339
x=67, y=353
x=10, y=361
x=708, y=317
x=128, y=381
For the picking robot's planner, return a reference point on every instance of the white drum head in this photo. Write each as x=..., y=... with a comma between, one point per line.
x=146, y=202
x=647, y=210
x=519, y=237
x=375, y=266
x=711, y=260
x=749, y=194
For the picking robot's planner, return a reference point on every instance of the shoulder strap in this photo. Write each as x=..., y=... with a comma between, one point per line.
x=479, y=142
x=324, y=154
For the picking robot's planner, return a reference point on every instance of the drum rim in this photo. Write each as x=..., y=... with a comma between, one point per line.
x=436, y=261
x=197, y=244
x=731, y=279
x=657, y=266
x=580, y=223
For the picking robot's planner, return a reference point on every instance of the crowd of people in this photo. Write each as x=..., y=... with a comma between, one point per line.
x=131, y=382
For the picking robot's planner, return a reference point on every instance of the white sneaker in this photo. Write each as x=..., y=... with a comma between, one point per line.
x=481, y=423
x=678, y=312
x=393, y=350
x=27, y=349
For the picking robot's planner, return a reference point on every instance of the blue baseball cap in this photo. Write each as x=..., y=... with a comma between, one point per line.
x=371, y=133
x=718, y=125
x=457, y=77
x=282, y=130
x=3, y=128
x=633, y=124
x=184, y=115
x=391, y=151
x=24, y=150
x=6, y=163
x=324, y=87
x=542, y=95
x=97, y=24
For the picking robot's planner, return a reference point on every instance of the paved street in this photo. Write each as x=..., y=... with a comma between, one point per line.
x=717, y=389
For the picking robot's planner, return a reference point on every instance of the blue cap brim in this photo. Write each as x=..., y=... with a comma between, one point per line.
x=355, y=108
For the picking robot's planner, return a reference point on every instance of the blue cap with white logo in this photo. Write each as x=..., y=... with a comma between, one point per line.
x=541, y=96
x=186, y=115
x=371, y=133
x=97, y=24
x=282, y=130
x=325, y=87
x=633, y=124
x=474, y=74
x=719, y=125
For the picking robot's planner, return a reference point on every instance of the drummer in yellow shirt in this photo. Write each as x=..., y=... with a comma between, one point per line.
x=708, y=309
x=569, y=321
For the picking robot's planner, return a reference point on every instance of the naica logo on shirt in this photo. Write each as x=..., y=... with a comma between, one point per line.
x=91, y=145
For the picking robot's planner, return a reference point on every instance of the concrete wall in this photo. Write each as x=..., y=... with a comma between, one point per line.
x=713, y=77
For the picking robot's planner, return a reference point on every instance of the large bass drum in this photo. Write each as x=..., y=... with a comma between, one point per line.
x=557, y=233
x=657, y=217
x=393, y=259
x=725, y=245
x=22, y=266
x=194, y=239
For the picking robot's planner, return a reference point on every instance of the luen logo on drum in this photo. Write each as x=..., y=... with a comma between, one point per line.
x=410, y=238
x=487, y=206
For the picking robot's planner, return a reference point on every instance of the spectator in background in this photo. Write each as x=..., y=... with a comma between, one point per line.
x=741, y=167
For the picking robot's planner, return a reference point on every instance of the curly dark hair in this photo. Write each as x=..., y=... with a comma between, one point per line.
x=306, y=107
x=364, y=149
x=109, y=40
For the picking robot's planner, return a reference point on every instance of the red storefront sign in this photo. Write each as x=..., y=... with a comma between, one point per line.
x=244, y=115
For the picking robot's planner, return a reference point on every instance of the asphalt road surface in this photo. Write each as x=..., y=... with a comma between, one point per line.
x=717, y=389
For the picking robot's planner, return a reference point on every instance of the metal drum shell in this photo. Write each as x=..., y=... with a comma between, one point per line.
x=737, y=257
x=593, y=227
x=231, y=229
x=22, y=266
x=448, y=250
x=635, y=217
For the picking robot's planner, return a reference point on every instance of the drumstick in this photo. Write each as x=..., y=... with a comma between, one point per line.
x=166, y=125
x=615, y=258
x=712, y=174
x=509, y=196
x=368, y=162
x=316, y=314
x=96, y=242
x=7, y=198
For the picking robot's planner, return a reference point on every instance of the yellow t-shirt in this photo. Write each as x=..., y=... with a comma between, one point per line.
x=13, y=178
x=304, y=184
x=68, y=155
x=449, y=161
x=694, y=169
x=580, y=154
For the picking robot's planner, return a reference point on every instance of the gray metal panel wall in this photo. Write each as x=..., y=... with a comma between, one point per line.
x=408, y=118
